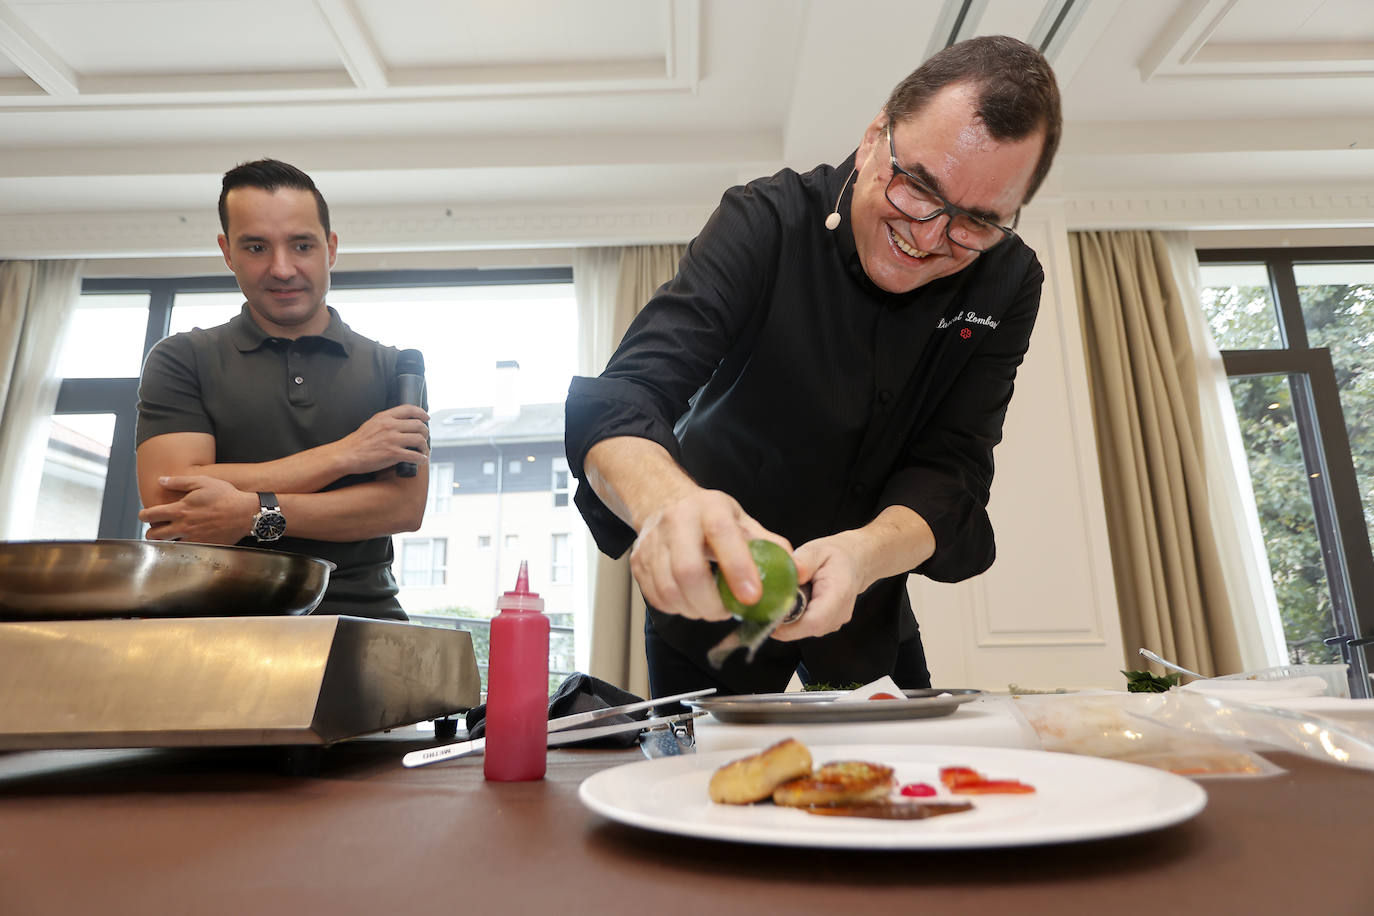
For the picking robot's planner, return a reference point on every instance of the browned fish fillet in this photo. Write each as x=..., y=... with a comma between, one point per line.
x=841, y=783
x=753, y=778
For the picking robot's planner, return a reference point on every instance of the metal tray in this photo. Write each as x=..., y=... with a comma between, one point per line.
x=819, y=706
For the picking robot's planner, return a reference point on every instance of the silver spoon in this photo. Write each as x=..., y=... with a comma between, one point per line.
x=1168, y=664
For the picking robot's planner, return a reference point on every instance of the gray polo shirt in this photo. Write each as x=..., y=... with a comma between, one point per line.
x=264, y=398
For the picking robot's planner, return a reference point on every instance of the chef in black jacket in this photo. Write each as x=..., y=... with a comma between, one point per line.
x=829, y=369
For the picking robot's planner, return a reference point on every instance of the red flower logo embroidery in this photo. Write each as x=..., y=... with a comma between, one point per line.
x=966, y=333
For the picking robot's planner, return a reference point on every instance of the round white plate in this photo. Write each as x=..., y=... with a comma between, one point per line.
x=810, y=707
x=1076, y=798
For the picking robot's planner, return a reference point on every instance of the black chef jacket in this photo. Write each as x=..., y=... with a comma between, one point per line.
x=774, y=370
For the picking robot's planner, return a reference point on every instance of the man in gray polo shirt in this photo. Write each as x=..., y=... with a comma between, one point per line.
x=276, y=429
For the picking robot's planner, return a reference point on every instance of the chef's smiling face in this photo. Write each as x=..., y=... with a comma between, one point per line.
x=947, y=143
x=280, y=254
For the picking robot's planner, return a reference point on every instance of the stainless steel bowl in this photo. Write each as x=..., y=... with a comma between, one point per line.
x=70, y=580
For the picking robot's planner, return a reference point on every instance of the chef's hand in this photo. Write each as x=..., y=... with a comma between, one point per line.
x=211, y=511
x=833, y=567
x=672, y=556
x=386, y=438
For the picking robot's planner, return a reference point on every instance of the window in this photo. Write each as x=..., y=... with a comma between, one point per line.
x=465, y=322
x=560, y=570
x=1295, y=328
x=562, y=481
x=440, y=488
x=424, y=562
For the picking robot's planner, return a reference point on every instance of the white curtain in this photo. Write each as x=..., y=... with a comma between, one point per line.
x=37, y=299
x=611, y=286
x=1245, y=565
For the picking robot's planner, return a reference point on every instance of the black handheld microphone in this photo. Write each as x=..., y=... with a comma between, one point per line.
x=410, y=389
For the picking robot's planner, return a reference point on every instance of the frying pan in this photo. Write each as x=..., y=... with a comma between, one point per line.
x=72, y=580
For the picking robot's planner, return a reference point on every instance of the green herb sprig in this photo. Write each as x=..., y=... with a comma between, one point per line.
x=1145, y=682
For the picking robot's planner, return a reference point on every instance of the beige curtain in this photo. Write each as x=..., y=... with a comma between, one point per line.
x=1169, y=581
x=612, y=285
x=37, y=299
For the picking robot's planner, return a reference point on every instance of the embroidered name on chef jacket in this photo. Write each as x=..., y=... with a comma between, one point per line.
x=968, y=318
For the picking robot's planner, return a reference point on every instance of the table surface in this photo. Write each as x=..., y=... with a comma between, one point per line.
x=208, y=831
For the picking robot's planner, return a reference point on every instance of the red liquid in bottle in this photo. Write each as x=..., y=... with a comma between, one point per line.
x=517, y=718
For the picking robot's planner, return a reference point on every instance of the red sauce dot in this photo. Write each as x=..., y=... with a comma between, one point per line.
x=917, y=790
x=882, y=696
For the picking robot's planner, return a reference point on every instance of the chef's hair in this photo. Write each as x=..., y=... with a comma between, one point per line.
x=269, y=175
x=1017, y=92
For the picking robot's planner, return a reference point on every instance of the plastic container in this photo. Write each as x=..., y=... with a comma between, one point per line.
x=1336, y=676
x=517, y=720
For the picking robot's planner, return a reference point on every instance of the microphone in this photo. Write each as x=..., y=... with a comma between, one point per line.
x=410, y=389
x=832, y=222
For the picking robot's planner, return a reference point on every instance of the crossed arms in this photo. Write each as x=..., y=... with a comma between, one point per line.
x=191, y=497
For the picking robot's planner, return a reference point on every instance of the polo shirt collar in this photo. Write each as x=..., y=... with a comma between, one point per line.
x=248, y=336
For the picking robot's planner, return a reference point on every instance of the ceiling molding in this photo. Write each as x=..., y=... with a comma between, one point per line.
x=355, y=44
x=32, y=55
x=1294, y=208
x=362, y=76
x=958, y=20
x=1186, y=48
x=378, y=229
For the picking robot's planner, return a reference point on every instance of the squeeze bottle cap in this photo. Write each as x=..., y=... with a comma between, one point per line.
x=521, y=598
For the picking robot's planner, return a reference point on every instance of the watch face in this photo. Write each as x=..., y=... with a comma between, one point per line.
x=269, y=525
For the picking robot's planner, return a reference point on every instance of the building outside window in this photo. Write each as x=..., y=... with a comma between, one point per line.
x=440, y=488
x=560, y=566
x=424, y=562
x=562, y=482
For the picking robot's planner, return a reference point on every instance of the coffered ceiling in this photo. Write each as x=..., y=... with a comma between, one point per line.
x=435, y=124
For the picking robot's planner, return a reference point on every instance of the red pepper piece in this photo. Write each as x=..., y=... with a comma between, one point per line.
x=993, y=787
x=958, y=776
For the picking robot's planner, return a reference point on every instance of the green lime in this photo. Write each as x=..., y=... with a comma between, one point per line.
x=779, y=575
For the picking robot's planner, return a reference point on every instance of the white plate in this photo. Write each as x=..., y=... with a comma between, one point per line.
x=810, y=707
x=1076, y=798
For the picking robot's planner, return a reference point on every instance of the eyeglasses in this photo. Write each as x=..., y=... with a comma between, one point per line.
x=917, y=201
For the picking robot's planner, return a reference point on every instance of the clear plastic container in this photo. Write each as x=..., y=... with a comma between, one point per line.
x=1336, y=676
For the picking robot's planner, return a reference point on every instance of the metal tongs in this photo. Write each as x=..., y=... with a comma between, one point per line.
x=565, y=730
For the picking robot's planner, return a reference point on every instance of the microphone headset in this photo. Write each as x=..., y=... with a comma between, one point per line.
x=832, y=222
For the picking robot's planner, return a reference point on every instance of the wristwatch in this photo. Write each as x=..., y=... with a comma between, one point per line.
x=269, y=524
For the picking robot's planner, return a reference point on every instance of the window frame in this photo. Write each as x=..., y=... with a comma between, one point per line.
x=1327, y=454
x=119, y=396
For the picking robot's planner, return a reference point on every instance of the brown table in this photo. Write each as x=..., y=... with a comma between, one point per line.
x=215, y=831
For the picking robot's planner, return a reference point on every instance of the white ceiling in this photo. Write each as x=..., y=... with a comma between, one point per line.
x=463, y=124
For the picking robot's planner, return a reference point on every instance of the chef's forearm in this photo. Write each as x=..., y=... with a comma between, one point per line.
x=896, y=542
x=635, y=477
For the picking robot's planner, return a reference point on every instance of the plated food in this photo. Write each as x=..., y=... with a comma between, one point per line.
x=783, y=774
x=1076, y=798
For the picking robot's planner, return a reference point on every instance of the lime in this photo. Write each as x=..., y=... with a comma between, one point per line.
x=779, y=575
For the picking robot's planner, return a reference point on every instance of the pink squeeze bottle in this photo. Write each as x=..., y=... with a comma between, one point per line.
x=517, y=719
